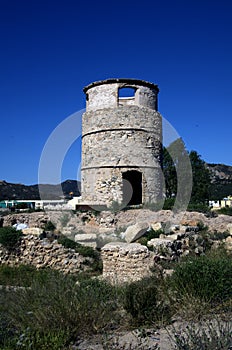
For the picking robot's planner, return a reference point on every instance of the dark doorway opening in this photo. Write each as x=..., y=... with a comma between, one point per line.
x=132, y=187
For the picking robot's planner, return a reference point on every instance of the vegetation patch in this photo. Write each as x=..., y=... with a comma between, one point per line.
x=215, y=334
x=150, y=234
x=143, y=302
x=84, y=251
x=10, y=237
x=225, y=211
x=53, y=310
x=208, y=277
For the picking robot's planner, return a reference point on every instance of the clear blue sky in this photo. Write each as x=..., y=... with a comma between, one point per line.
x=51, y=49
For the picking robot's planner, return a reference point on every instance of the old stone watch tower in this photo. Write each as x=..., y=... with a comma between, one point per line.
x=121, y=143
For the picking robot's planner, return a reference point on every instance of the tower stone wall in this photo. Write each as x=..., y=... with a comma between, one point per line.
x=121, y=143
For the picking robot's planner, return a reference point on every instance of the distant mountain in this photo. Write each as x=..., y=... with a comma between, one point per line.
x=221, y=186
x=19, y=191
x=221, y=180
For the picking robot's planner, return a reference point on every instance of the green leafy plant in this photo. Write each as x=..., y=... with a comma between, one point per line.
x=41, y=340
x=219, y=236
x=10, y=237
x=67, y=242
x=169, y=203
x=199, y=207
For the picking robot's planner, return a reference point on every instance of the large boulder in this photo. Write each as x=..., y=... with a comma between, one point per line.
x=134, y=232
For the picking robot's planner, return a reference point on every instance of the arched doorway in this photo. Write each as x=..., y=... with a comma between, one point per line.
x=134, y=177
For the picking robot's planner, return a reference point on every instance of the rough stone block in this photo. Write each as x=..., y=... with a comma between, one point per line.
x=158, y=242
x=35, y=231
x=136, y=231
x=229, y=227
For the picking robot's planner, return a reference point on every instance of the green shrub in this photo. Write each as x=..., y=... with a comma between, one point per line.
x=150, y=234
x=85, y=251
x=225, y=211
x=49, y=226
x=67, y=242
x=199, y=207
x=79, y=248
x=43, y=340
x=143, y=302
x=219, y=236
x=208, y=277
x=21, y=275
x=10, y=237
x=169, y=203
x=56, y=305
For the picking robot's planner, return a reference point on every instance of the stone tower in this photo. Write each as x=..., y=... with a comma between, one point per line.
x=121, y=143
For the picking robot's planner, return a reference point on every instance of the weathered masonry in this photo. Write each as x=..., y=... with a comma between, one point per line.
x=121, y=143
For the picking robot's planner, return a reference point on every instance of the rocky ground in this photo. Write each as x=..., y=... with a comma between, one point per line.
x=106, y=221
x=104, y=227
x=150, y=339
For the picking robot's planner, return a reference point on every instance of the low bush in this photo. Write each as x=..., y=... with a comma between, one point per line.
x=85, y=251
x=208, y=277
x=55, y=305
x=67, y=242
x=22, y=275
x=225, y=211
x=219, y=236
x=169, y=203
x=43, y=340
x=10, y=237
x=144, y=303
x=79, y=248
x=199, y=207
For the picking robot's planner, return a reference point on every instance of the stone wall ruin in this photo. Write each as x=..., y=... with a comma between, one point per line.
x=123, y=262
